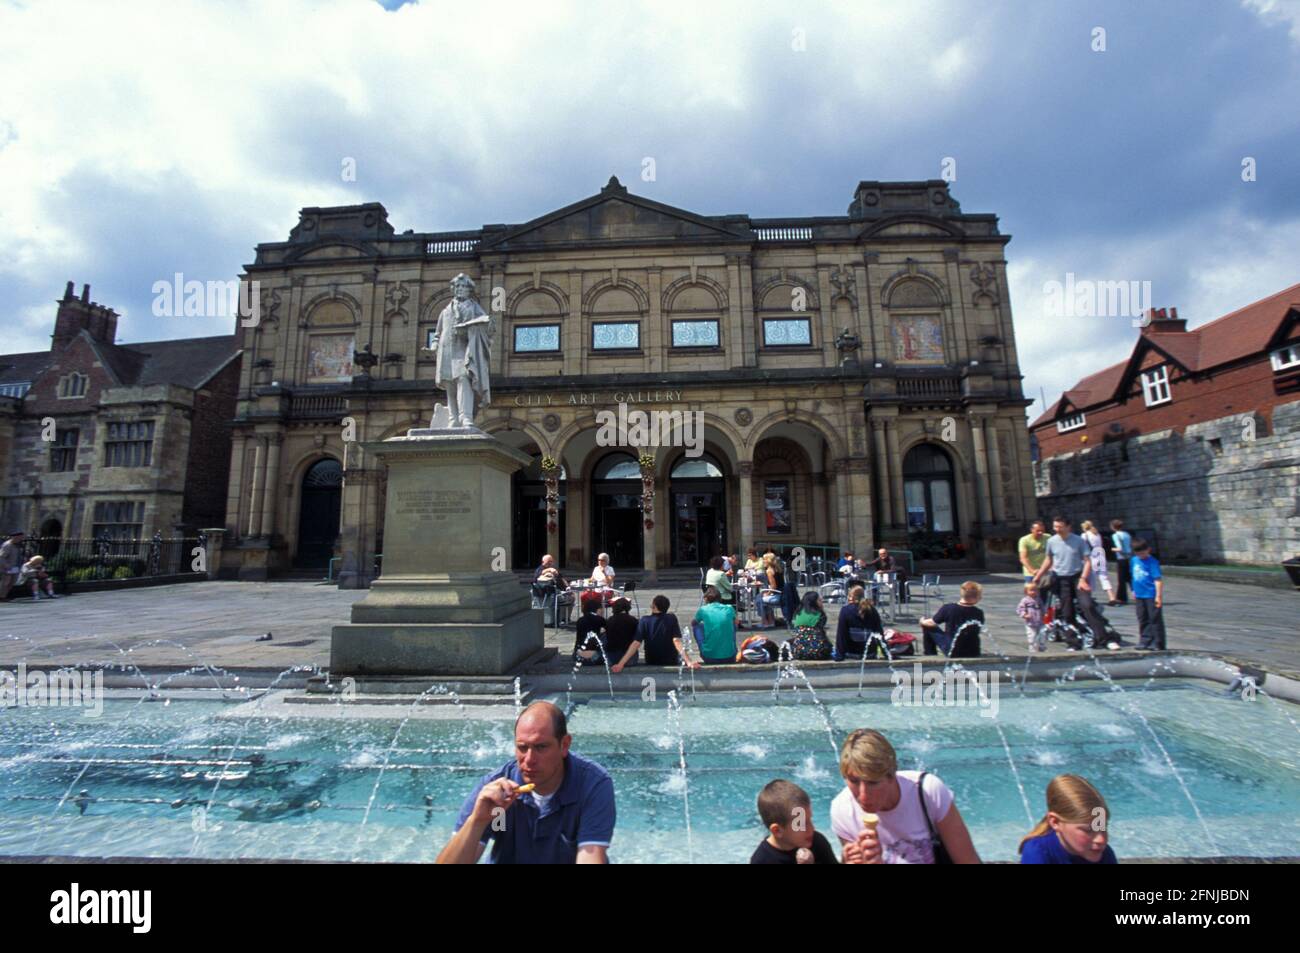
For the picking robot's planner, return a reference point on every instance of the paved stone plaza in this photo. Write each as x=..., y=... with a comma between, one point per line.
x=217, y=623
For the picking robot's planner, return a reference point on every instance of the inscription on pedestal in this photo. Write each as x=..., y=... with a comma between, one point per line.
x=431, y=506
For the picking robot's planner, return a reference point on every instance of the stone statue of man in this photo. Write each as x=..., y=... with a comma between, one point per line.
x=462, y=340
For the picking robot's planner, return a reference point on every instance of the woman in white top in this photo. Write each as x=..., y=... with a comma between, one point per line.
x=887, y=816
x=1098, y=558
x=603, y=574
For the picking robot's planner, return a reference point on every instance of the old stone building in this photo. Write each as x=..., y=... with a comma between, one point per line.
x=1193, y=440
x=857, y=377
x=126, y=440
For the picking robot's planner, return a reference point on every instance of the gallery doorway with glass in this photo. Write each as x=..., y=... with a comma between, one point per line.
x=699, y=508
x=616, y=524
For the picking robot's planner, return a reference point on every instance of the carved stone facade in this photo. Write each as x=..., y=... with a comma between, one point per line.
x=819, y=351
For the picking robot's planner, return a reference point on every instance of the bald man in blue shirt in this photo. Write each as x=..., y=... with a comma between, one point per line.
x=566, y=816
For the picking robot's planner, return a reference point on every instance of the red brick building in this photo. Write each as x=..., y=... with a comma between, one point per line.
x=1244, y=362
x=123, y=439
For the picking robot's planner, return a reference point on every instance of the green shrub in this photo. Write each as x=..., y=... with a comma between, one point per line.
x=123, y=572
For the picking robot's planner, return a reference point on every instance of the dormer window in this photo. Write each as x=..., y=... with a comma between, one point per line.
x=1155, y=386
x=1285, y=358
x=1073, y=422
x=74, y=385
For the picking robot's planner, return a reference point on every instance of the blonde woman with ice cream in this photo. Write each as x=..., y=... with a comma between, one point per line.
x=887, y=816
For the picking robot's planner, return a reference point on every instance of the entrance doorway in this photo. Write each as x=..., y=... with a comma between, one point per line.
x=528, y=541
x=318, y=516
x=699, y=529
x=616, y=524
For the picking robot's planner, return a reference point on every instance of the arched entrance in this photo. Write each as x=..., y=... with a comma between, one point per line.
x=529, y=521
x=616, y=521
x=698, y=493
x=51, y=538
x=318, y=516
x=928, y=491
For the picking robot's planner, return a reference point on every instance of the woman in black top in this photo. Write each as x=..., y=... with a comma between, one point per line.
x=585, y=648
x=620, y=630
x=858, y=619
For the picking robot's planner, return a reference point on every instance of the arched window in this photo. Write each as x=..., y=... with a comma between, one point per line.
x=698, y=468
x=928, y=490
x=617, y=466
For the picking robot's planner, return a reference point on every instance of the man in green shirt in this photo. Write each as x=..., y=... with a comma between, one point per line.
x=717, y=629
x=1033, y=549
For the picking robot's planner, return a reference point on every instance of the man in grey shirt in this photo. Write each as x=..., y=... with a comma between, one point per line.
x=1068, y=558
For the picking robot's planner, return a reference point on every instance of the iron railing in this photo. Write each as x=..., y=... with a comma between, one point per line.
x=89, y=560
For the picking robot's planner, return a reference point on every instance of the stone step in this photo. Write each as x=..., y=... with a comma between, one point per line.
x=494, y=687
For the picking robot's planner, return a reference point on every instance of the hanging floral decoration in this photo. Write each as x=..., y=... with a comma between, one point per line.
x=647, y=462
x=551, y=478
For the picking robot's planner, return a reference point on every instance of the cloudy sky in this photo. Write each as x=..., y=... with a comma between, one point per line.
x=141, y=139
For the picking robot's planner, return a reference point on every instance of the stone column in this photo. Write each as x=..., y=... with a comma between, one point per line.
x=882, y=474
x=272, y=483
x=255, y=495
x=858, y=510
x=842, y=528
x=897, y=500
x=575, y=513
x=981, y=467
x=995, y=469
x=819, y=507
x=745, y=495
x=235, y=496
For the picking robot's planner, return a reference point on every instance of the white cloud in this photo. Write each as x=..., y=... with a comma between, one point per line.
x=1286, y=11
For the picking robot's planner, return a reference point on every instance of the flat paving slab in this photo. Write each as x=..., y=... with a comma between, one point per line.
x=217, y=623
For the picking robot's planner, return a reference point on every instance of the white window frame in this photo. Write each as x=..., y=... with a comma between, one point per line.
x=1286, y=357
x=1073, y=422
x=1155, y=386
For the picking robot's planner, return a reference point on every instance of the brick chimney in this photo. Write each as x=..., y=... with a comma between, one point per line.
x=81, y=314
x=1162, y=321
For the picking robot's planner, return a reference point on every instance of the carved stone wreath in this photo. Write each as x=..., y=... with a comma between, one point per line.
x=744, y=416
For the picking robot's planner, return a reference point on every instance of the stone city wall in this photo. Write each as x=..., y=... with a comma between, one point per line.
x=1226, y=490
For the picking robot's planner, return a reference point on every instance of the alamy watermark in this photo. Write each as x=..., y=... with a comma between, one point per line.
x=946, y=688
x=1097, y=299
x=208, y=299
x=62, y=688
x=653, y=428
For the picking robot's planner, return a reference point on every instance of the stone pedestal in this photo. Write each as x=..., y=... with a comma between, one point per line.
x=447, y=603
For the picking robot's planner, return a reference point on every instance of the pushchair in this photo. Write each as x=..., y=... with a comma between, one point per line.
x=1077, y=633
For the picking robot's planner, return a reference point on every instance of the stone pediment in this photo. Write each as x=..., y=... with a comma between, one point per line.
x=616, y=216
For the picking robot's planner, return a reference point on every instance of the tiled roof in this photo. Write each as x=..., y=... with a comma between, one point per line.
x=23, y=367
x=1232, y=337
x=188, y=362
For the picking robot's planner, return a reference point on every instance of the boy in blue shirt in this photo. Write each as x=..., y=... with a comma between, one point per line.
x=1148, y=595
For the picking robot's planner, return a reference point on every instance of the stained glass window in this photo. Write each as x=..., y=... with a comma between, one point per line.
x=695, y=334
x=615, y=334
x=787, y=332
x=537, y=337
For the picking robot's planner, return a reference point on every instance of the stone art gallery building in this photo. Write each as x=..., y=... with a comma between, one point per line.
x=857, y=377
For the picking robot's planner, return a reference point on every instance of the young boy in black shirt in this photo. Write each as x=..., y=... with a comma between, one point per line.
x=786, y=809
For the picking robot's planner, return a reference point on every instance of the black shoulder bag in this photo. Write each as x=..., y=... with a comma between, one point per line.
x=936, y=842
